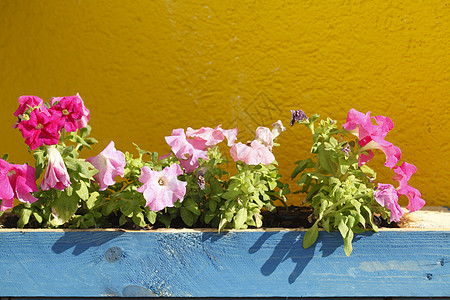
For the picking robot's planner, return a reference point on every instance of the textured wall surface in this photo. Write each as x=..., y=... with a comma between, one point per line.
x=145, y=67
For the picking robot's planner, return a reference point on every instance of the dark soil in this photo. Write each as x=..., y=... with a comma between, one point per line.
x=291, y=217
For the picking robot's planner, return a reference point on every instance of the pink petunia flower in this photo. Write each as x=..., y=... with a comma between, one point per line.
x=387, y=196
x=16, y=181
x=264, y=136
x=372, y=136
x=74, y=114
x=187, y=150
x=211, y=136
x=254, y=154
x=162, y=189
x=56, y=175
x=403, y=174
x=109, y=163
x=230, y=134
x=40, y=129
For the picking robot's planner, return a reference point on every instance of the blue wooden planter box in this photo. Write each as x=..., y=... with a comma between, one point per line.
x=203, y=263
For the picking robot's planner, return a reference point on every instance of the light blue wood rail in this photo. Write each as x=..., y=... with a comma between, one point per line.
x=189, y=263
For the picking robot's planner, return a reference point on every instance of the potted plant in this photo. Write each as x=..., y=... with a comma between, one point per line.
x=192, y=188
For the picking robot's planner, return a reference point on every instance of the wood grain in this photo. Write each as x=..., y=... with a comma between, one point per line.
x=201, y=263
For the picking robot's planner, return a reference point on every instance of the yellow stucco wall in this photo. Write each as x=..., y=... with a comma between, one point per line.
x=145, y=67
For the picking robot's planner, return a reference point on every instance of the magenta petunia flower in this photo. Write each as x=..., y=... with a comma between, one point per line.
x=109, y=163
x=56, y=175
x=254, y=154
x=16, y=181
x=372, y=136
x=40, y=129
x=403, y=174
x=74, y=114
x=162, y=188
x=27, y=103
x=387, y=196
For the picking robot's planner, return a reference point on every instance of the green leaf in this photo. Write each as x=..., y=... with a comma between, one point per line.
x=325, y=161
x=187, y=216
x=222, y=223
x=240, y=218
x=122, y=220
x=38, y=217
x=310, y=236
x=348, y=248
x=65, y=206
x=209, y=215
x=138, y=219
x=82, y=190
x=92, y=200
x=85, y=131
x=151, y=215
x=25, y=214
x=302, y=165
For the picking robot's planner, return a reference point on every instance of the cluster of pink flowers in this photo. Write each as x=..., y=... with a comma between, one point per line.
x=372, y=136
x=41, y=125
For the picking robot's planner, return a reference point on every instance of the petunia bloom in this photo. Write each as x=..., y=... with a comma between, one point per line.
x=387, y=196
x=211, y=136
x=28, y=103
x=56, y=175
x=403, y=174
x=74, y=114
x=162, y=188
x=109, y=163
x=297, y=115
x=277, y=128
x=254, y=154
x=187, y=150
x=372, y=136
x=16, y=181
x=40, y=129
x=264, y=136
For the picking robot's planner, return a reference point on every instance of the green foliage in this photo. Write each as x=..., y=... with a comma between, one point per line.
x=340, y=192
x=222, y=201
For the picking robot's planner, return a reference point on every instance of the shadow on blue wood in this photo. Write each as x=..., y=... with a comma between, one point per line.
x=391, y=263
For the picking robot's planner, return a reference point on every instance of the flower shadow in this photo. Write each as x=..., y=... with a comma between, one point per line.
x=83, y=240
x=290, y=247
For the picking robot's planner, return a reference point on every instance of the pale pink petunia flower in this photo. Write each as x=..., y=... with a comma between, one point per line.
x=264, y=136
x=254, y=154
x=277, y=128
x=211, y=136
x=16, y=181
x=162, y=188
x=386, y=195
x=56, y=175
x=230, y=134
x=109, y=163
x=187, y=150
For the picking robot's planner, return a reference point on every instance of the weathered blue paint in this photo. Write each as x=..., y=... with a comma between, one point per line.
x=233, y=264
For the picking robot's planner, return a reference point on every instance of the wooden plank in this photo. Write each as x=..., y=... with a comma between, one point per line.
x=196, y=263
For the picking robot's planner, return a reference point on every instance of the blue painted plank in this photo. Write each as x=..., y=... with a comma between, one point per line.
x=391, y=263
